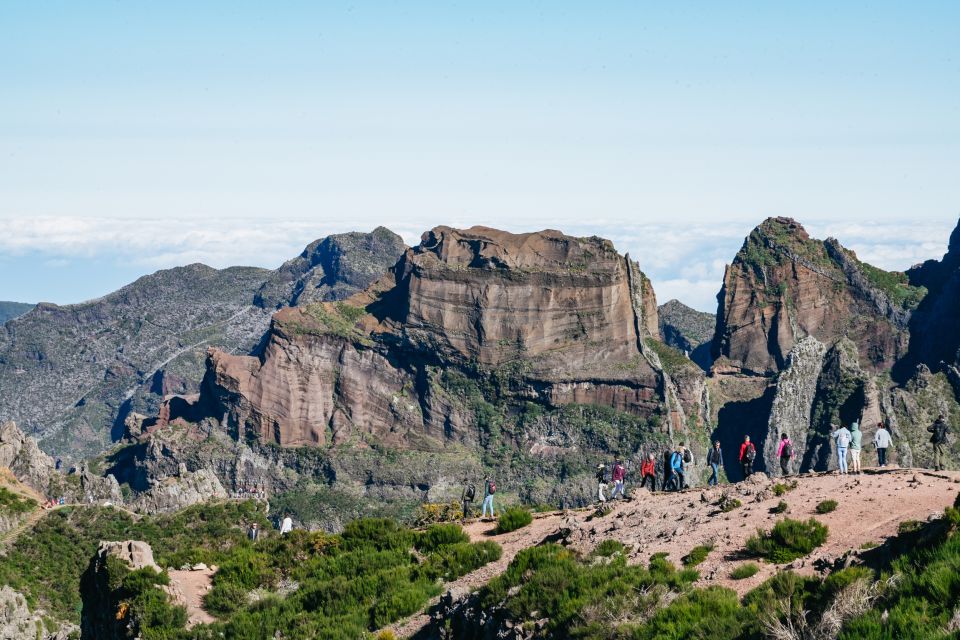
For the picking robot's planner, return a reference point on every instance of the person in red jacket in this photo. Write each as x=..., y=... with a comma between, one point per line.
x=747, y=454
x=648, y=472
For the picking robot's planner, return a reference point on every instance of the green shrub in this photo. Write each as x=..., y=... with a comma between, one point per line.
x=826, y=506
x=697, y=555
x=15, y=504
x=782, y=507
x=512, y=519
x=744, y=571
x=728, y=504
x=909, y=526
x=788, y=540
x=439, y=535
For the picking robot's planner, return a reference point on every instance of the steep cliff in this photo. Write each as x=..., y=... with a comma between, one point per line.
x=688, y=330
x=70, y=374
x=532, y=354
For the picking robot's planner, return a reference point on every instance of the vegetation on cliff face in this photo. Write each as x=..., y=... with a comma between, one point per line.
x=11, y=310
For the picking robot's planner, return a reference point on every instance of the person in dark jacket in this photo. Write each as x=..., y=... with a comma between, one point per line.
x=938, y=439
x=715, y=460
x=667, y=472
x=467, y=497
x=601, y=481
x=648, y=473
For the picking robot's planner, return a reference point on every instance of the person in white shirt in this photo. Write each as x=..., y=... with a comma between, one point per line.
x=286, y=526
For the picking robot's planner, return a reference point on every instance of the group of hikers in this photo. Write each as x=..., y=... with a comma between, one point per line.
x=676, y=461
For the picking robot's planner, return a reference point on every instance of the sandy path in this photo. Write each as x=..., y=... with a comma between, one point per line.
x=871, y=506
x=192, y=585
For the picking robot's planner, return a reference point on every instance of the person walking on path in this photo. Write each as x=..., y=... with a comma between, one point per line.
x=618, y=476
x=253, y=533
x=467, y=497
x=715, y=460
x=882, y=441
x=747, y=454
x=677, y=479
x=785, y=454
x=648, y=473
x=938, y=439
x=489, y=488
x=856, y=443
x=601, y=481
x=842, y=437
x=287, y=525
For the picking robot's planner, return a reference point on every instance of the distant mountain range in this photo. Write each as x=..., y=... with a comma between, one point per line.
x=11, y=310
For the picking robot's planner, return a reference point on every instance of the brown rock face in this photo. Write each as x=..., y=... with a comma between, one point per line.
x=784, y=286
x=558, y=319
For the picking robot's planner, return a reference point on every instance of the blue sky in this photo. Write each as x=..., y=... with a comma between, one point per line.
x=135, y=136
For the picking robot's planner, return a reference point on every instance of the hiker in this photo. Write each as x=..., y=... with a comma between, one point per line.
x=601, y=481
x=715, y=460
x=785, y=453
x=687, y=456
x=747, y=454
x=939, y=429
x=287, y=525
x=469, y=493
x=618, y=476
x=489, y=488
x=676, y=469
x=648, y=472
x=842, y=437
x=856, y=442
x=882, y=441
x=253, y=533
x=59, y=464
x=667, y=471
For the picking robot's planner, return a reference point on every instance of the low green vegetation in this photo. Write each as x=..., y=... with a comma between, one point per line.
x=744, y=571
x=512, y=519
x=827, y=506
x=609, y=548
x=896, y=285
x=781, y=488
x=788, y=540
x=728, y=504
x=697, y=555
x=14, y=504
x=46, y=565
x=782, y=507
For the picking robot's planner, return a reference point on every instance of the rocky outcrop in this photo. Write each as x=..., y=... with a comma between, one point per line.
x=564, y=318
x=71, y=374
x=11, y=310
x=796, y=389
x=20, y=454
x=104, y=616
x=783, y=286
x=688, y=330
x=18, y=623
x=935, y=340
x=172, y=493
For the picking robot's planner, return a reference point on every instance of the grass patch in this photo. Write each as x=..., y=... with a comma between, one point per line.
x=728, y=504
x=744, y=571
x=609, y=548
x=782, y=507
x=788, y=540
x=512, y=519
x=697, y=555
x=14, y=504
x=781, y=488
x=827, y=506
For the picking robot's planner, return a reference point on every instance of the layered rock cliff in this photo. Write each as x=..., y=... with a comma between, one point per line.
x=531, y=353
x=71, y=374
x=822, y=333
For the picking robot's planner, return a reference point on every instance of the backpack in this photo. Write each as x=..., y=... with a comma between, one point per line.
x=492, y=487
x=843, y=439
x=750, y=453
x=787, y=450
x=687, y=456
x=471, y=492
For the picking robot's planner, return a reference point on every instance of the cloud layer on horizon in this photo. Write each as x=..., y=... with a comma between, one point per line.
x=685, y=261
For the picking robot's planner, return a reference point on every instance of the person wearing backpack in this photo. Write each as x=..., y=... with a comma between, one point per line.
x=601, y=481
x=856, y=443
x=748, y=453
x=618, y=476
x=715, y=460
x=678, y=478
x=467, y=497
x=667, y=471
x=489, y=488
x=938, y=439
x=882, y=441
x=842, y=437
x=785, y=453
x=648, y=472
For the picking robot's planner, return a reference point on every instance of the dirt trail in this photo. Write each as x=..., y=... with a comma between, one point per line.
x=870, y=508
x=192, y=586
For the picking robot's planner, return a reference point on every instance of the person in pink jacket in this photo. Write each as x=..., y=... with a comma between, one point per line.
x=785, y=453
